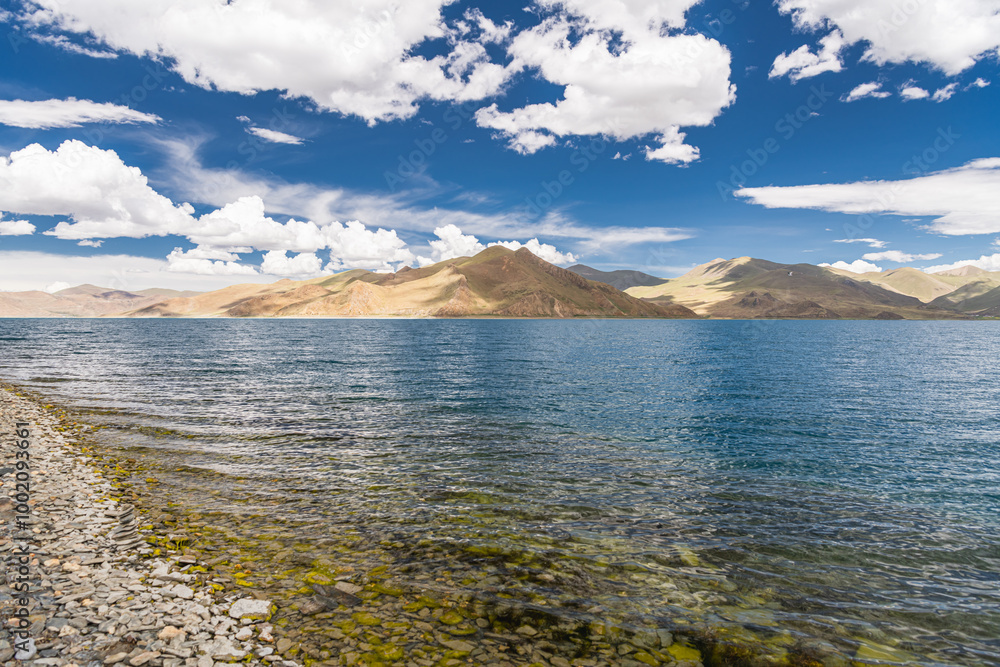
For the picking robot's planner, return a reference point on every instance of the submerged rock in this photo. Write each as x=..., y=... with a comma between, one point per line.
x=250, y=608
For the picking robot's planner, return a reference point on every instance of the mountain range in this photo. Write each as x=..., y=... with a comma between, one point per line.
x=499, y=282
x=755, y=288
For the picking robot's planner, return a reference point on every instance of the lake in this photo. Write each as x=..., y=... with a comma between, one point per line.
x=825, y=486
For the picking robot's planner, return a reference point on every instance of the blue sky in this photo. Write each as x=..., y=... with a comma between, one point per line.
x=219, y=143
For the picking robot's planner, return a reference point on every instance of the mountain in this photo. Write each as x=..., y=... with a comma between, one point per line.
x=166, y=293
x=944, y=289
x=618, y=279
x=499, y=282
x=746, y=287
x=496, y=282
x=908, y=281
x=81, y=301
x=963, y=272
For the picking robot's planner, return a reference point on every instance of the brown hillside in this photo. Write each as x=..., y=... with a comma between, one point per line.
x=496, y=282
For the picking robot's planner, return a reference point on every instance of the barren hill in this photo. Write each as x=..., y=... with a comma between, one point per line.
x=622, y=279
x=753, y=288
x=496, y=282
x=81, y=301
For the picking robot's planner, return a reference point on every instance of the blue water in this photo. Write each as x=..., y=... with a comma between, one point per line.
x=841, y=477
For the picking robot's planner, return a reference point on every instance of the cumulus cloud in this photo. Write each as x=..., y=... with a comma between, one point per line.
x=303, y=265
x=899, y=257
x=652, y=82
x=15, y=227
x=367, y=49
x=179, y=261
x=57, y=286
x=354, y=246
x=540, y=250
x=857, y=266
x=104, y=198
x=274, y=136
x=913, y=93
x=245, y=223
x=964, y=199
x=70, y=112
x=802, y=63
x=101, y=195
x=871, y=89
x=985, y=262
x=948, y=35
x=872, y=243
x=451, y=242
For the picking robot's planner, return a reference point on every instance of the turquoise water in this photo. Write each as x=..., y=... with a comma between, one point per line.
x=838, y=479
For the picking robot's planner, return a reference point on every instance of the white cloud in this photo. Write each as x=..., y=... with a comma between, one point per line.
x=352, y=57
x=105, y=198
x=950, y=35
x=353, y=246
x=15, y=227
x=62, y=42
x=90, y=243
x=897, y=256
x=629, y=16
x=857, y=266
x=913, y=93
x=873, y=243
x=946, y=93
x=964, y=199
x=489, y=32
x=29, y=270
x=70, y=112
x=871, y=89
x=303, y=265
x=245, y=223
x=980, y=83
x=209, y=252
x=453, y=243
x=527, y=142
x=102, y=196
x=672, y=149
x=274, y=136
x=651, y=82
x=541, y=250
x=985, y=262
x=803, y=63
x=179, y=261
x=57, y=286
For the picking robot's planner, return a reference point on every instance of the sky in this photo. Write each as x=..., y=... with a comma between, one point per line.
x=193, y=144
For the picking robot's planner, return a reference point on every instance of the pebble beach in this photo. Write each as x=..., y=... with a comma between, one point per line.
x=96, y=592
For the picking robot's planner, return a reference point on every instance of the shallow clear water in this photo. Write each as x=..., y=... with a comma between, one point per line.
x=841, y=479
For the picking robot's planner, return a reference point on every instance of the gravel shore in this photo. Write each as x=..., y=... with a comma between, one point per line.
x=83, y=586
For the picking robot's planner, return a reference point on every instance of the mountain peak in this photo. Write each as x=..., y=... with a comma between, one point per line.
x=967, y=270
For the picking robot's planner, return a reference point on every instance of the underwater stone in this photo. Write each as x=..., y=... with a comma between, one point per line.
x=257, y=610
